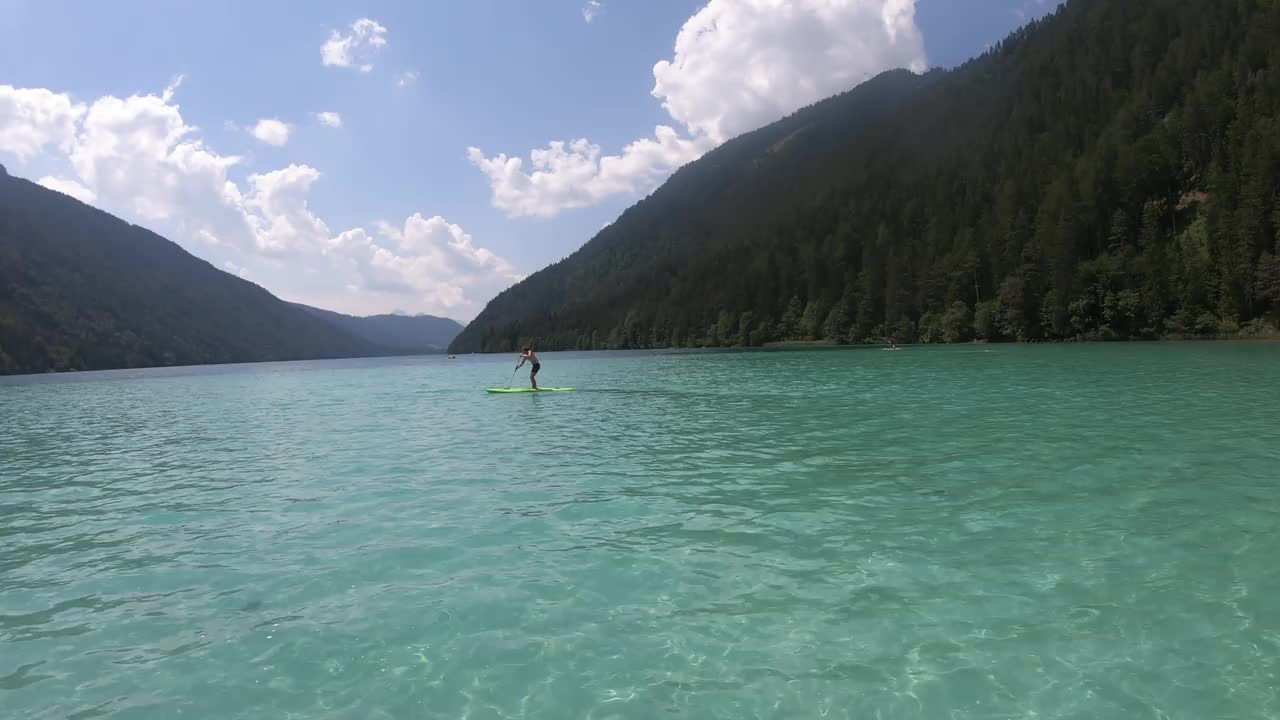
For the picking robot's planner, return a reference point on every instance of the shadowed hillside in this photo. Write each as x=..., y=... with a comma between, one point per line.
x=83, y=290
x=1109, y=171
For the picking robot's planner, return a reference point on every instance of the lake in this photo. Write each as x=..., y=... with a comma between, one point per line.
x=1067, y=531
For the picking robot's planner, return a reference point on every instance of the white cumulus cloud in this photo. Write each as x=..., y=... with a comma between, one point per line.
x=233, y=268
x=591, y=10
x=329, y=119
x=271, y=131
x=406, y=78
x=138, y=157
x=357, y=48
x=31, y=118
x=68, y=187
x=427, y=257
x=277, y=210
x=570, y=175
x=737, y=65
x=741, y=64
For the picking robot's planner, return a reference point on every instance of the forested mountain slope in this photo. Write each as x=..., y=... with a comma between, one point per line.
x=1108, y=171
x=83, y=290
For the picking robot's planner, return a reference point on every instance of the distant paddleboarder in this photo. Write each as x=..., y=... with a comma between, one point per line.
x=527, y=354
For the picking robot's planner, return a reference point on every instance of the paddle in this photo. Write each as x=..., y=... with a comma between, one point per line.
x=513, y=376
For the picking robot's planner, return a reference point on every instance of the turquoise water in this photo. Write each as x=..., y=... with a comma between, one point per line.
x=1008, y=532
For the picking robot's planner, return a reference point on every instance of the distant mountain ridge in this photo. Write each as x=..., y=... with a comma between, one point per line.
x=81, y=289
x=419, y=333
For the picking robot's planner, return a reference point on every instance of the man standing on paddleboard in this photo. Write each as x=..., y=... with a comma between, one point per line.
x=528, y=354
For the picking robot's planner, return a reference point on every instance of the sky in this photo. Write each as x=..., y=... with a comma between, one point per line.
x=372, y=156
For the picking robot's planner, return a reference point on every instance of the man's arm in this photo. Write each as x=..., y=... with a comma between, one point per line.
x=522, y=359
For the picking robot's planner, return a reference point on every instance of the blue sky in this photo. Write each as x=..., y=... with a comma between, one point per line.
x=152, y=110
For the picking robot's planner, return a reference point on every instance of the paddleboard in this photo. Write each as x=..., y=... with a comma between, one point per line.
x=526, y=390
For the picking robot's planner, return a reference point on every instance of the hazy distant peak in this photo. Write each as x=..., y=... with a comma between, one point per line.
x=397, y=330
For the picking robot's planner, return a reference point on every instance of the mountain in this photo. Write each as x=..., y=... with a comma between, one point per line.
x=83, y=290
x=398, y=331
x=1109, y=171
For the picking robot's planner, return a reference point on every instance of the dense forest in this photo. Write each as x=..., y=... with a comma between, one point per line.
x=412, y=334
x=83, y=290
x=1109, y=171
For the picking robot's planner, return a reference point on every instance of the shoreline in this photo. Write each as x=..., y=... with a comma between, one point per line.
x=820, y=344
x=777, y=345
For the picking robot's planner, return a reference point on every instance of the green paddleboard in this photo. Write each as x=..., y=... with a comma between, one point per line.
x=526, y=390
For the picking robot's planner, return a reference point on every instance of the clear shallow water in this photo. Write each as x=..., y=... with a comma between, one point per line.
x=1053, y=532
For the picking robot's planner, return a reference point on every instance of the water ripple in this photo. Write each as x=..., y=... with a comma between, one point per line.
x=936, y=533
